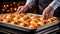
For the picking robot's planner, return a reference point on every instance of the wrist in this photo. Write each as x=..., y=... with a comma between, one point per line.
x=54, y=5
x=26, y=6
x=51, y=8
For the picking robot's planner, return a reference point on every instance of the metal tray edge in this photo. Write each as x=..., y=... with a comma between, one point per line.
x=46, y=26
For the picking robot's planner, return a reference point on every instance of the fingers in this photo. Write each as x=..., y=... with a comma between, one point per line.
x=51, y=14
x=44, y=15
x=22, y=10
x=19, y=9
x=47, y=15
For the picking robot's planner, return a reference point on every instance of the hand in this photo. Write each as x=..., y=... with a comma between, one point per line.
x=22, y=9
x=48, y=13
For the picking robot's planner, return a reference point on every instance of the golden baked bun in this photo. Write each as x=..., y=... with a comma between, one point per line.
x=21, y=19
x=8, y=16
x=41, y=19
x=15, y=18
x=4, y=16
x=51, y=20
x=7, y=20
x=25, y=24
x=55, y=19
x=27, y=18
x=12, y=22
x=44, y=22
x=1, y=19
x=22, y=25
x=33, y=23
x=31, y=27
x=41, y=23
x=16, y=23
x=34, y=26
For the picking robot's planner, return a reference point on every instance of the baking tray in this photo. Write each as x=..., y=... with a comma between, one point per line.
x=26, y=29
x=46, y=26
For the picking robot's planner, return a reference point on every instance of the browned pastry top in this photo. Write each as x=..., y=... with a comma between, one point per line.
x=26, y=20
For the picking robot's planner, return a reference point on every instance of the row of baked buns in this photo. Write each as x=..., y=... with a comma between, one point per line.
x=26, y=20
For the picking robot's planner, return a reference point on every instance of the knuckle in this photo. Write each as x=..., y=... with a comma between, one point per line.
x=19, y=7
